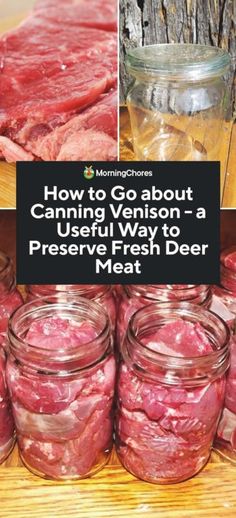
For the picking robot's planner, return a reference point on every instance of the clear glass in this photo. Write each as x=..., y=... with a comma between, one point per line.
x=7, y=432
x=137, y=296
x=169, y=406
x=225, y=442
x=179, y=101
x=61, y=375
x=101, y=293
x=10, y=297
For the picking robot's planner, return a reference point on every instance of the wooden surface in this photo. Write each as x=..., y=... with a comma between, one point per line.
x=229, y=197
x=114, y=493
x=209, y=22
x=227, y=156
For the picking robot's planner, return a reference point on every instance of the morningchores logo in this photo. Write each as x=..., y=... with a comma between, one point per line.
x=123, y=174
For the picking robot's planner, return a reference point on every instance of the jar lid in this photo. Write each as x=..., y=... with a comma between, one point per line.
x=178, y=61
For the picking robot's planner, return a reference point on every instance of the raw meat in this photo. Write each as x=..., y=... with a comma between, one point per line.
x=224, y=304
x=7, y=434
x=8, y=302
x=135, y=297
x=10, y=298
x=103, y=294
x=52, y=68
x=226, y=431
x=63, y=422
x=95, y=13
x=179, y=339
x=95, y=128
x=13, y=152
x=228, y=258
x=165, y=432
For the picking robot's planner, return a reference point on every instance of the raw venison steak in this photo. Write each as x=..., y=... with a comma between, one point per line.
x=96, y=13
x=52, y=68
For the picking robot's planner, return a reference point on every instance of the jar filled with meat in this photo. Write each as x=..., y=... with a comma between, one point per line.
x=170, y=390
x=61, y=375
x=101, y=293
x=137, y=296
x=7, y=433
x=10, y=297
x=225, y=304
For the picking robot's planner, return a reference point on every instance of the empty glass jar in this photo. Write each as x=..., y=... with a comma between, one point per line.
x=179, y=101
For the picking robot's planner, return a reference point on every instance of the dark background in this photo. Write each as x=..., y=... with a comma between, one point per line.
x=8, y=230
x=156, y=269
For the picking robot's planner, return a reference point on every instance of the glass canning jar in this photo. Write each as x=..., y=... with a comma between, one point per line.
x=7, y=432
x=10, y=298
x=178, y=101
x=137, y=296
x=171, y=390
x=101, y=293
x=225, y=442
x=61, y=375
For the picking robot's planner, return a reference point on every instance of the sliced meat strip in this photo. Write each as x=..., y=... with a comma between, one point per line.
x=52, y=78
x=95, y=13
x=89, y=144
x=52, y=67
x=13, y=152
x=89, y=136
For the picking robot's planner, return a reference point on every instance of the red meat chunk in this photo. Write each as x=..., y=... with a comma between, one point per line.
x=58, y=333
x=228, y=258
x=58, y=62
x=6, y=419
x=95, y=13
x=8, y=303
x=179, y=338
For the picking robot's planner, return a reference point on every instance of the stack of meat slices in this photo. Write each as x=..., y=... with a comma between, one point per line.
x=58, y=79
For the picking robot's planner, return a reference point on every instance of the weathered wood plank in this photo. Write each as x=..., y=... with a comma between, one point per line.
x=115, y=493
x=144, y=22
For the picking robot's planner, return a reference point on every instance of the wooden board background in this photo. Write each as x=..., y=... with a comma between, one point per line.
x=144, y=22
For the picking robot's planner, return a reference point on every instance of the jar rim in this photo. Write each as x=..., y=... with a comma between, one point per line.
x=92, y=290
x=189, y=291
x=86, y=353
x=178, y=61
